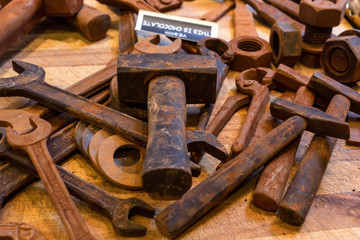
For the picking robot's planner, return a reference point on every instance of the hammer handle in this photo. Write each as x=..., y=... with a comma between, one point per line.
x=166, y=172
x=17, y=18
x=301, y=193
x=90, y=22
x=213, y=190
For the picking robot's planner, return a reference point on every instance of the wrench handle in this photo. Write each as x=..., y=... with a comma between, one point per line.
x=13, y=179
x=55, y=187
x=93, y=196
x=86, y=110
x=213, y=190
x=85, y=88
x=17, y=18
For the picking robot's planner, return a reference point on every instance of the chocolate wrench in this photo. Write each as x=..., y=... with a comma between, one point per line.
x=34, y=144
x=118, y=210
x=30, y=83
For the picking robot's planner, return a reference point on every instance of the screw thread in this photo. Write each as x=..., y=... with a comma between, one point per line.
x=316, y=35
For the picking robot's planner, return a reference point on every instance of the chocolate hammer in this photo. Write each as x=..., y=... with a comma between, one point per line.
x=160, y=81
x=296, y=203
x=212, y=191
x=20, y=16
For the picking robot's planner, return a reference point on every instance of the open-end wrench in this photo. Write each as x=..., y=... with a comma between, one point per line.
x=85, y=87
x=118, y=210
x=34, y=144
x=31, y=83
x=14, y=179
x=150, y=45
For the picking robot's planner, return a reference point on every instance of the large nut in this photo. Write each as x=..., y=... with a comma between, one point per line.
x=340, y=58
x=250, y=52
x=322, y=13
x=285, y=42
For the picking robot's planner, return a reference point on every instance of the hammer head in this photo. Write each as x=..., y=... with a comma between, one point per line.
x=317, y=121
x=198, y=72
x=61, y=7
x=27, y=73
x=327, y=88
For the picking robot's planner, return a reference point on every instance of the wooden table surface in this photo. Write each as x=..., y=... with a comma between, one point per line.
x=67, y=57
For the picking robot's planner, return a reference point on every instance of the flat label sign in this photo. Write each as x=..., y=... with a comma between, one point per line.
x=174, y=26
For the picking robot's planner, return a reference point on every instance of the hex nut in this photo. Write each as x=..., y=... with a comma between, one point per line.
x=322, y=13
x=285, y=42
x=250, y=52
x=340, y=58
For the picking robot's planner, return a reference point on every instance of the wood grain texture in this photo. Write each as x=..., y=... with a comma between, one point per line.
x=67, y=57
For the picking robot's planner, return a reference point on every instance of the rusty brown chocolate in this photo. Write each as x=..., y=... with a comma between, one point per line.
x=127, y=34
x=90, y=22
x=215, y=14
x=250, y=50
x=118, y=210
x=272, y=182
x=212, y=191
x=181, y=214
x=340, y=58
x=19, y=16
x=285, y=36
x=166, y=171
x=320, y=17
x=19, y=231
x=134, y=6
x=291, y=8
x=34, y=144
x=233, y=103
x=298, y=199
x=260, y=98
x=165, y=5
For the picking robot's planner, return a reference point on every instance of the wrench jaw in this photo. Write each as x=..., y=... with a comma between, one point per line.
x=27, y=73
x=150, y=45
x=41, y=130
x=204, y=141
x=124, y=211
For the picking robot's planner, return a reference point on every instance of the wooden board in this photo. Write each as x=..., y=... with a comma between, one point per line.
x=67, y=57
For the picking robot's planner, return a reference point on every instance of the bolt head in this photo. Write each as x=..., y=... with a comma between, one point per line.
x=322, y=13
x=340, y=58
x=285, y=41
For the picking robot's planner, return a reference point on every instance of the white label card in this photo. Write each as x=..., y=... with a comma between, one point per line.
x=175, y=26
